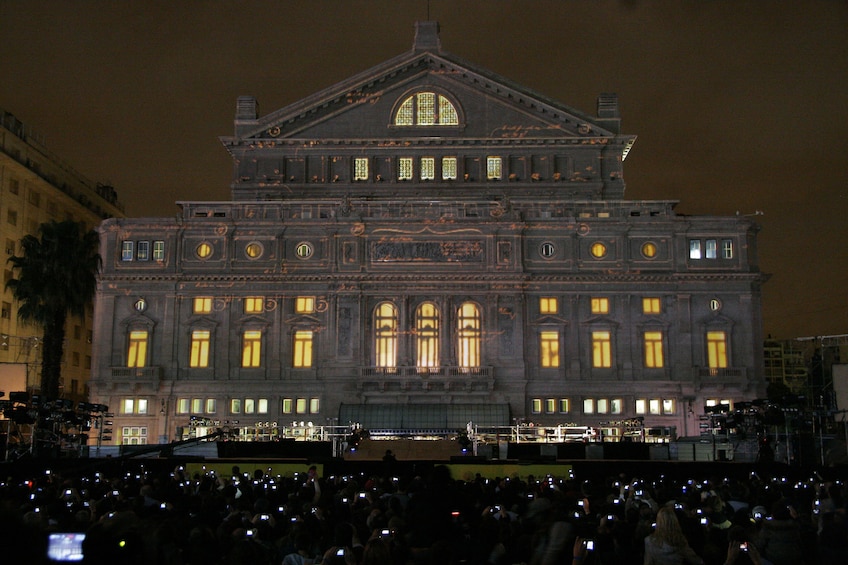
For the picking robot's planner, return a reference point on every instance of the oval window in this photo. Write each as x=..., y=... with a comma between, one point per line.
x=649, y=250
x=547, y=250
x=204, y=250
x=715, y=304
x=253, y=250
x=303, y=250
x=598, y=249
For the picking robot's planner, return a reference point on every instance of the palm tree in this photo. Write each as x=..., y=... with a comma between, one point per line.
x=56, y=277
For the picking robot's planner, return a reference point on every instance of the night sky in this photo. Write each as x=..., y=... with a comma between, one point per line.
x=738, y=105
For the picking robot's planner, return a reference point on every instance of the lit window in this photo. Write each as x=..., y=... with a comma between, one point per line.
x=251, y=349
x=128, y=406
x=717, y=350
x=287, y=405
x=426, y=109
x=654, y=350
x=550, y=405
x=468, y=335
x=651, y=305
x=548, y=305
x=249, y=406
x=448, y=168
x=183, y=405
x=211, y=405
x=127, y=250
x=303, y=250
x=654, y=406
x=143, y=251
x=314, y=405
x=601, y=350
x=133, y=435
x=641, y=406
x=588, y=405
x=253, y=250
x=616, y=406
x=137, y=351
x=715, y=304
x=494, y=170
x=360, y=168
x=254, y=304
x=649, y=250
x=549, y=346
x=547, y=250
x=600, y=306
x=405, y=168
x=204, y=250
x=598, y=250
x=694, y=248
x=202, y=304
x=603, y=406
x=304, y=304
x=262, y=406
x=428, y=168
x=199, y=348
x=385, y=336
x=536, y=406
x=406, y=112
x=427, y=335
x=300, y=406
x=302, y=355
x=727, y=249
x=196, y=405
x=564, y=405
x=235, y=406
x=668, y=406
x=158, y=250
x=711, y=251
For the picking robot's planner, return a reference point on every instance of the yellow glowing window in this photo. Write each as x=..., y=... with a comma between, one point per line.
x=253, y=250
x=288, y=405
x=668, y=406
x=302, y=355
x=360, y=168
x=202, y=304
x=235, y=406
x=641, y=406
x=598, y=249
x=183, y=405
x=405, y=168
x=600, y=306
x=200, y=342
x=448, y=168
x=536, y=406
x=262, y=406
x=601, y=350
x=603, y=406
x=727, y=249
x=211, y=405
x=588, y=405
x=300, y=406
x=385, y=336
x=137, y=351
x=468, y=335
x=254, y=304
x=426, y=109
x=447, y=112
x=616, y=406
x=251, y=349
x=428, y=168
x=651, y=305
x=304, y=304
x=548, y=305
x=204, y=250
x=550, y=405
x=549, y=346
x=649, y=250
x=717, y=350
x=654, y=406
x=654, y=350
x=564, y=405
x=197, y=406
x=427, y=335
x=314, y=405
x=406, y=112
x=494, y=168
x=249, y=406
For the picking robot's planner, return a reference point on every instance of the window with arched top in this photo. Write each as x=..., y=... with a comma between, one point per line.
x=385, y=336
x=426, y=109
x=468, y=335
x=427, y=335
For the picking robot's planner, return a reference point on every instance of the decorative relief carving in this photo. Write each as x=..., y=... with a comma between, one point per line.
x=427, y=251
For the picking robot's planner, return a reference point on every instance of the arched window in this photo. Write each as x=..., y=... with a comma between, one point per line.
x=468, y=336
x=385, y=336
x=427, y=335
x=426, y=109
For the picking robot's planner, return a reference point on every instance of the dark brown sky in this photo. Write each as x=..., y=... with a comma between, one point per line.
x=737, y=105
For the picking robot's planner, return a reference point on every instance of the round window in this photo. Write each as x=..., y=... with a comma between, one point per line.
x=204, y=250
x=253, y=250
x=547, y=250
x=140, y=305
x=303, y=250
x=715, y=304
x=598, y=249
x=649, y=250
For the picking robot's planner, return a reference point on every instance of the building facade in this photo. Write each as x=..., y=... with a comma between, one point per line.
x=36, y=186
x=419, y=246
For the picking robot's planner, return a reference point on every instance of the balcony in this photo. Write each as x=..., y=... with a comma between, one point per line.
x=423, y=379
x=138, y=373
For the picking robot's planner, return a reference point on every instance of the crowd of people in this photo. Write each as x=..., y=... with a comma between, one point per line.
x=397, y=517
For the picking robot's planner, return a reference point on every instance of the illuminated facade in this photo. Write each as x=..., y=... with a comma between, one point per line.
x=426, y=237
x=37, y=187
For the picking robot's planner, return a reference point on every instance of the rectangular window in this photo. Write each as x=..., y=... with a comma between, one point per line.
x=600, y=306
x=548, y=305
x=251, y=348
x=75, y=359
x=549, y=348
x=711, y=251
x=616, y=406
x=128, y=406
x=200, y=341
x=651, y=306
x=35, y=198
x=668, y=406
x=137, y=350
x=202, y=305
x=10, y=247
x=254, y=304
x=654, y=350
x=314, y=405
x=12, y=217
x=197, y=406
x=405, y=168
x=550, y=405
x=143, y=251
x=717, y=350
x=14, y=186
x=141, y=406
x=360, y=168
x=641, y=406
x=601, y=350
x=588, y=405
x=302, y=354
x=448, y=168
x=603, y=406
x=262, y=406
x=494, y=170
x=564, y=405
x=183, y=405
x=127, y=252
x=235, y=406
x=304, y=304
x=287, y=406
x=428, y=168
x=536, y=406
x=211, y=405
x=300, y=406
x=158, y=250
x=249, y=406
x=694, y=248
x=6, y=311
x=727, y=249
x=654, y=406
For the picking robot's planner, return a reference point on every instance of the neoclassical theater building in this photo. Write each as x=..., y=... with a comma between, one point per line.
x=420, y=246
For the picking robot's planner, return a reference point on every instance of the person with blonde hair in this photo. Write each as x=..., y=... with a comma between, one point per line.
x=667, y=545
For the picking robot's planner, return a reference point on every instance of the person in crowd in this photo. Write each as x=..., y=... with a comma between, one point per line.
x=667, y=545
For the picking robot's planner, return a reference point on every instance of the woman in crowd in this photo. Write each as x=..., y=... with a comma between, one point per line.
x=667, y=545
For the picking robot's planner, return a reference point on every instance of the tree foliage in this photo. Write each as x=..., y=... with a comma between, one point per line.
x=56, y=276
